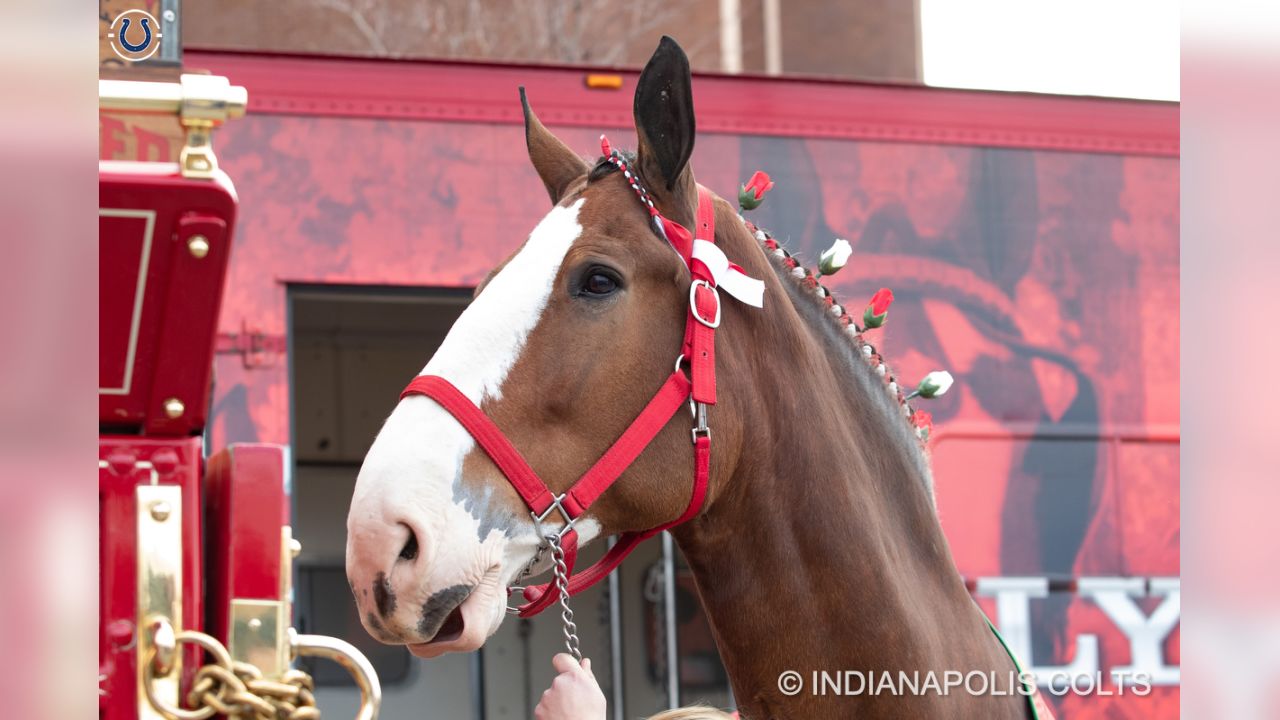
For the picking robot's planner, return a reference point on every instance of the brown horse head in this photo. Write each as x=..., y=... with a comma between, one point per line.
x=562, y=347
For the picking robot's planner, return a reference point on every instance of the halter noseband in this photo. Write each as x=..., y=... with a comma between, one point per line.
x=710, y=269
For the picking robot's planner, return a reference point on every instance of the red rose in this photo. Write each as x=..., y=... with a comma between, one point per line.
x=752, y=194
x=923, y=421
x=759, y=184
x=881, y=301
x=875, y=314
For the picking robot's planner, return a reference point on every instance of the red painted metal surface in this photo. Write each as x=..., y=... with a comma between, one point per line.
x=247, y=507
x=791, y=107
x=176, y=461
x=158, y=301
x=165, y=242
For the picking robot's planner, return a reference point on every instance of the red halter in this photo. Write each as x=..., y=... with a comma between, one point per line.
x=699, y=388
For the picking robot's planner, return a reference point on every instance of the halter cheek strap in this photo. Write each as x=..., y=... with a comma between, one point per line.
x=709, y=269
x=575, y=501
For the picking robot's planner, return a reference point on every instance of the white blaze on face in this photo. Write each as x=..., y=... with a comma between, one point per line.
x=486, y=341
x=411, y=472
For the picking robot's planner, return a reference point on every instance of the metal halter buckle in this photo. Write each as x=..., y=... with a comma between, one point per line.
x=556, y=504
x=679, y=361
x=549, y=540
x=693, y=303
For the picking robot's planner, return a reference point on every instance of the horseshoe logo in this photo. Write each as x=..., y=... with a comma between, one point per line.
x=146, y=38
x=119, y=35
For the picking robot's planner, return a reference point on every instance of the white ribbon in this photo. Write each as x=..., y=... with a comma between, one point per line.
x=731, y=280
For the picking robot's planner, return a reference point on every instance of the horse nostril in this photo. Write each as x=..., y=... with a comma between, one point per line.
x=410, y=549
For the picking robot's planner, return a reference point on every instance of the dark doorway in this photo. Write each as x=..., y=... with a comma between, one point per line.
x=352, y=349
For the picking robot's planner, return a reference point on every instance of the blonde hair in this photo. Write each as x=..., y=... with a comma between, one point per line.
x=694, y=712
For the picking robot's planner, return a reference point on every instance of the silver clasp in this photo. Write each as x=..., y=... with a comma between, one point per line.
x=556, y=504
x=700, y=414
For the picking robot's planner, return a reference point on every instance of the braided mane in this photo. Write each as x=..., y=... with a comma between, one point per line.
x=807, y=282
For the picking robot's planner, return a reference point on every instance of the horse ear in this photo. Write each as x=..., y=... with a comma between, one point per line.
x=665, y=127
x=557, y=165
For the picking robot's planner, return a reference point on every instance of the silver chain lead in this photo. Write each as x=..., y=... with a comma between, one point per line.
x=561, y=572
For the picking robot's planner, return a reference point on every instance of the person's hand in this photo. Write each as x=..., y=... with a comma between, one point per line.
x=573, y=695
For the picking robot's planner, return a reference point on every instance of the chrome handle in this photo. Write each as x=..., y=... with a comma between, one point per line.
x=346, y=655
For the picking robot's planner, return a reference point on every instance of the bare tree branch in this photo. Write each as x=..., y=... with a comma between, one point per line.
x=358, y=20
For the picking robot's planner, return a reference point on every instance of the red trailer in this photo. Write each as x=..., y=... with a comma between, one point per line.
x=196, y=548
x=1031, y=241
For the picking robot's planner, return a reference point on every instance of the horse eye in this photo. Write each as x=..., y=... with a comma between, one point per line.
x=599, y=284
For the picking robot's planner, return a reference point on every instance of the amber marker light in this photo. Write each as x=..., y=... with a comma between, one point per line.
x=602, y=81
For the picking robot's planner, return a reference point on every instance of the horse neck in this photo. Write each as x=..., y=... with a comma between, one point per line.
x=821, y=549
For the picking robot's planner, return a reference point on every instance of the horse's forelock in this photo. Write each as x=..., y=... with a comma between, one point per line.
x=604, y=167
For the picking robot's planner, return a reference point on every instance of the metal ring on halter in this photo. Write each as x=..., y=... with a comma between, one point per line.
x=693, y=411
x=693, y=304
x=514, y=589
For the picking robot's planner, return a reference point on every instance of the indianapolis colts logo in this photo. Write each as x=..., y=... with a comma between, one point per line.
x=135, y=35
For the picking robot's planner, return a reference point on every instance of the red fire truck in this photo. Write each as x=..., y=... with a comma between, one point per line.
x=196, y=546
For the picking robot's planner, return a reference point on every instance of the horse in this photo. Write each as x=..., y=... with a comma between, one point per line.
x=815, y=545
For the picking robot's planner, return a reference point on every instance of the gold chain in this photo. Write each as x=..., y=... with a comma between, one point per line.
x=238, y=690
x=243, y=693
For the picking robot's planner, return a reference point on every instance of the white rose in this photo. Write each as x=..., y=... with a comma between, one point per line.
x=934, y=384
x=835, y=257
